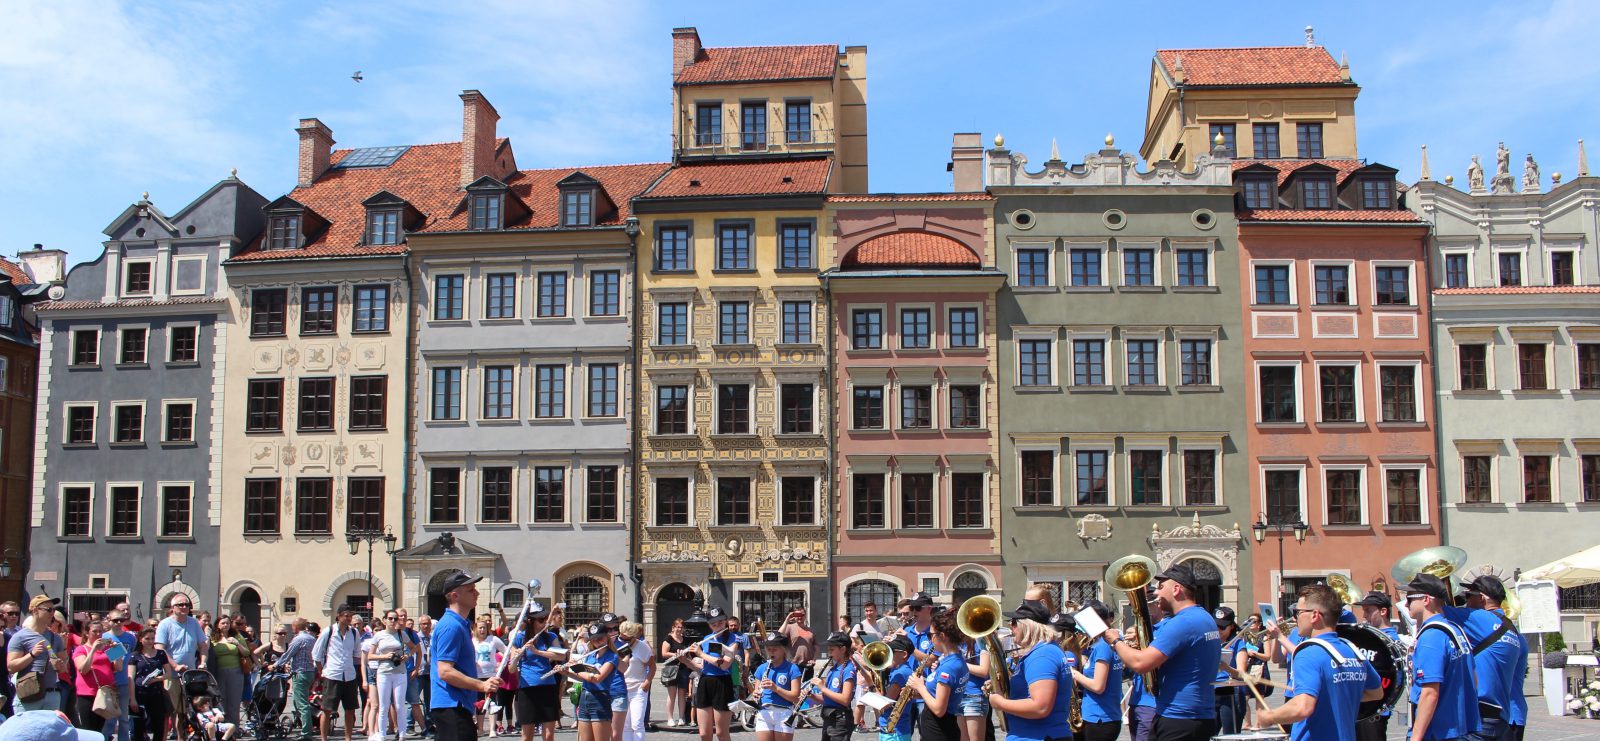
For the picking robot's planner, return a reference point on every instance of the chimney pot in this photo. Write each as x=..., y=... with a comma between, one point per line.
x=685, y=48
x=478, y=119
x=316, y=150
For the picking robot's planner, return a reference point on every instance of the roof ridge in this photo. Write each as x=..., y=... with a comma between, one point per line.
x=411, y=146
x=771, y=46
x=595, y=167
x=1240, y=48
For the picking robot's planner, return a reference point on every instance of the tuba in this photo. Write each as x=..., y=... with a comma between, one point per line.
x=1439, y=560
x=979, y=619
x=878, y=657
x=1075, y=644
x=1512, y=604
x=1346, y=590
x=1132, y=574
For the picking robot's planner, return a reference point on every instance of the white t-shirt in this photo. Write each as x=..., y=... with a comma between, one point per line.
x=485, y=651
x=387, y=643
x=366, y=649
x=638, y=664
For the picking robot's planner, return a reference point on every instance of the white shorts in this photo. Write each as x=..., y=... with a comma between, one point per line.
x=774, y=720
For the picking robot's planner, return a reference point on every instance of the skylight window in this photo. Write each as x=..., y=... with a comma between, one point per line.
x=372, y=157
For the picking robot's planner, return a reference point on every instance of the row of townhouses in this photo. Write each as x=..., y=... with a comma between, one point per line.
x=742, y=372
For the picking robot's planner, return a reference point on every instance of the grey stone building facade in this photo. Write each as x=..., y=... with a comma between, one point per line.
x=128, y=454
x=1122, y=425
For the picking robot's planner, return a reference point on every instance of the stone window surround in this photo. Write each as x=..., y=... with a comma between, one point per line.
x=1362, y=487
x=1299, y=390
x=1360, y=390
x=1422, y=491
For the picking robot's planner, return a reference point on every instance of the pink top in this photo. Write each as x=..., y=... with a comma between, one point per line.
x=102, y=669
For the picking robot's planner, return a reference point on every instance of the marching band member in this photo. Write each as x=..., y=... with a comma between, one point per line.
x=1228, y=701
x=1101, y=684
x=1036, y=706
x=1499, y=656
x=1184, y=655
x=942, y=689
x=1142, y=704
x=837, y=690
x=713, y=657
x=1443, y=705
x=1331, y=679
x=1043, y=595
x=535, y=650
x=1375, y=609
x=778, y=679
x=974, y=710
x=919, y=627
x=899, y=675
x=602, y=686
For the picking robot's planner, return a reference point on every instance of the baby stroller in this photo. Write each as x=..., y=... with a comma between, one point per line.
x=195, y=683
x=270, y=707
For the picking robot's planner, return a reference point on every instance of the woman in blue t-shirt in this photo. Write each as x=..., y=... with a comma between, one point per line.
x=944, y=685
x=974, y=709
x=1100, y=681
x=713, y=657
x=778, y=681
x=837, y=690
x=594, y=708
x=895, y=682
x=1036, y=706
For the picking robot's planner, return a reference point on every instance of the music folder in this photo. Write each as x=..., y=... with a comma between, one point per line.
x=1089, y=622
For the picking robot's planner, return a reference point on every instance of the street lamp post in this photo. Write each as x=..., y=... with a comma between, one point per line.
x=355, y=539
x=1259, y=529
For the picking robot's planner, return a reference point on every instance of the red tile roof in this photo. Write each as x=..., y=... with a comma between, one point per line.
x=1257, y=65
x=14, y=272
x=759, y=63
x=773, y=177
x=1285, y=168
x=1506, y=290
x=537, y=189
x=912, y=249
x=1364, y=215
x=896, y=197
x=129, y=303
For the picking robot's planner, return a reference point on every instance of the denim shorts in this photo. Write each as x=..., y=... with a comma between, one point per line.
x=595, y=707
x=619, y=703
x=973, y=705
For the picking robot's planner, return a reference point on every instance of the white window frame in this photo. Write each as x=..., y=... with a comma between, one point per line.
x=483, y=366
x=1294, y=288
x=177, y=263
x=1422, y=491
x=1055, y=473
x=1354, y=299
x=1156, y=261
x=875, y=466
x=621, y=400
x=517, y=474
x=1161, y=357
x=1211, y=336
x=1360, y=389
x=1577, y=262
x=588, y=272
x=1555, y=475
x=122, y=283
x=1211, y=262
x=122, y=331
x=1051, y=335
x=949, y=336
x=1489, y=365
x=689, y=475
x=867, y=377
x=749, y=317
x=533, y=466
x=1127, y=472
x=462, y=372
x=957, y=376
x=61, y=507
x=816, y=476
x=66, y=422
x=161, y=509
x=1108, y=368
x=1417, y=390
x=464, y=471
x=915, y=379
x=1522, y=251
x=691, y=388
x=144, y=432
x=1051, y=279
x=1104, y=248
x=166, y=411
x=816, y=404
x=750, y=405
x=1411, y=281
x=111, y=509
x=1102, y=445
x=1472, y=265
x=749, y=474
x=1180, y=494
x=1552, y=384
x=167, y=341
x=1299, y=391
x=433, y=296
x=99, y=346
x=899, y=327
x=1261, y=478
x=783, y=317
x=566, y=293
x=1494, y=474
x=1362, y=485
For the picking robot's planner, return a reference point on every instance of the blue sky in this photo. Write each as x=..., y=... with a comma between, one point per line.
x=104, y=100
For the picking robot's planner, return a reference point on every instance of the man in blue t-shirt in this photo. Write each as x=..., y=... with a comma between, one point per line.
x=1331, y=679
x=1184, y=656
x=1502, y=664
x=453, y=676
x=1443, y=703
x=920, y=629
x=1377, y=610
x=1142, y=704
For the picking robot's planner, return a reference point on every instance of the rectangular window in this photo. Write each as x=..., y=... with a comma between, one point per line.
x=262, y=499
x=179, y=426
x=1562, y=272
x=916, y=501
x=1394, y=285
x=1531, y=368
x=1230, y=141
x=1280, y=393
x=798, y=400
x=867, y=408
x=966, y=500
x=1338, y=393
x=1144, y=477
x=1333, y=285
x=866, y=329
x=372, y=309
x=1143, y=362
x=75, y=511
x=753, y=126
x=1342, y=488
x=1195, y=362
x=1033, y=267
x=1283, y=497
x=1138, y=267
x=672, y=248
x=136, y=280
x=127, y=422
x=550, y=399
x=1038, y=478
x=673, y=321
x=444, y=495
x=672, y=502
x=494, y=504
x=268, y=308
x=486, y=212
x=1510, y=268
x=552, y=295
x=313, y=507
x=963, y=327
x=549, y=494
x=1477, y=479
x=264, y=405
x=1088, y=362
x=797, y=322
x=916, y=329
x=603, y=380
x=1200, y=478
x=284, y=233
x=708, y=124
x=317, y=310
x=1258, y=193
x=797, y=121
x=499, y=384
x=1266, y=140
x=135, y=344
x=794, y=247
x=1588, y=365
x=601, y=502
x=1092, y=478
x=605, y=293
x=733, y=247
x=369, y=402
x=799, y=500
x=1086, y=267
x=1473, y=363
x=80, y=425
x=316, y=404
x=577, y=207
x=1272, y=285
x=1399, y=388
x=733, y=323
x=1316, y=193
x=1536, y=478
x=448, y=295
x=733, y=500
x=1309, y=138
x=916, y=407
x=183, y=344
x=365, y=510
x=966, y=407
x=1589, y=471
x=672, y=410
x=1033, y=363
x=733, y=409
x=500, y=296
x=1455, y=270
x=1404, y=489
x=867, y=503
x=124, y=512
x=383, y=227
x=1377, y=194
x=176, y=508
x=1194, y=268
x=446, y=393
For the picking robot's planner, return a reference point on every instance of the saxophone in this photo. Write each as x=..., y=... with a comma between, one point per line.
x=906, y=693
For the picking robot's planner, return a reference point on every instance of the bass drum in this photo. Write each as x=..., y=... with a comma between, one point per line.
x=1387, y=656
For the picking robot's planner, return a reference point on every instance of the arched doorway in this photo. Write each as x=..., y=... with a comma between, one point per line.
x=585, y=597
x=436, y=605
x=880, y=593
x=674, y=601
x=967, y=585
x=249, y=602
x=1209, y=577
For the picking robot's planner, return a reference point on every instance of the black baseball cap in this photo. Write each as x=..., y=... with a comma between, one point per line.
x=459, y=579
x=919, y=599
x=536, y=610
x=901, y=643
x=1225, y=617
x=839, y=639
x=1376, y=599
x=610, y=619
x=1428, y=585
x=1064, y=622
x=1489, y=586
x=716, y=615
x=595, y=630
x=1182, y=574
x=1030, y=609
x=774, y=638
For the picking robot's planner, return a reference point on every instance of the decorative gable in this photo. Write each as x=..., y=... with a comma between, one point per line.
x=389, y=218
x=290, y=225
x=491, y=206
x=583, y=202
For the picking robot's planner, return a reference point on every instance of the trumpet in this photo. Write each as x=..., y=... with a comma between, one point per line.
x=1132, y=574
x=979, y=619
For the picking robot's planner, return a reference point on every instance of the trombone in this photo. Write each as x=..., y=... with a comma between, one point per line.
x=1132, y=574
x=979, y=619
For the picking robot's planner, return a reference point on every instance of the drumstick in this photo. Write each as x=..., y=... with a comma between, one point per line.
x=1250, y=682
x=1251, y=678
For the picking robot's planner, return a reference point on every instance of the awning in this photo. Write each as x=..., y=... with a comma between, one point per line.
x=1575, y=570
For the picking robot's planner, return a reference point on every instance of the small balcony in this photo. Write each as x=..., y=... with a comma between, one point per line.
x=792, y=141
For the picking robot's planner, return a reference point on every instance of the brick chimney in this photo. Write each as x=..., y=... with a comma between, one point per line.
x=966, y=162
x=316, y=149
x=685, y=48
x=478, y=119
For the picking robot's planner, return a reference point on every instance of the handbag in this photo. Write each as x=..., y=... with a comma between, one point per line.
x=247, y=660
x=669, y=675
x=28, y=687
x=107, y=703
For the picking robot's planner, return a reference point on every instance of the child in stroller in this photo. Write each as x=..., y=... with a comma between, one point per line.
x=210, y=720
x=197, y=684
x=270, y=705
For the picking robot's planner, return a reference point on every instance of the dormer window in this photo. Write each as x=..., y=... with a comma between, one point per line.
x=1259, y=193
x=577, y=207
x=1316, y=193
x=486, y=211
x=136, y=278
x=1377, y=194
x=284, y=232
x=383, y=226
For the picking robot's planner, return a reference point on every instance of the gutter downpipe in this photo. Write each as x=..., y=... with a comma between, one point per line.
x=408, y=468
x=1438, y=387
x=636, y=360
x=831, y=524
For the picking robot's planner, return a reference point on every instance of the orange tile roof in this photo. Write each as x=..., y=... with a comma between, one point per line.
x=14, y=272
x=1400, y=216
x=1285, y=168
x=1255, y=65
x=770, y=177
x=759, y=63
x=1506, y=290
x=911, y=249
x=537, y=189
x=135, y=303
x=896, y=197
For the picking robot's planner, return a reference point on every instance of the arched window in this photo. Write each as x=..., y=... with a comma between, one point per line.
x=1209, y=594
x=511, y=598
x=586, y=599
x=879, y=592
x=966, y=586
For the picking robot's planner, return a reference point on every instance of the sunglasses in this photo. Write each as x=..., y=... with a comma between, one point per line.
x=279, y=633
x=13, y=613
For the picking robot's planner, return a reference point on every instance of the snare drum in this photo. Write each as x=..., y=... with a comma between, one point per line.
x=1387, y=656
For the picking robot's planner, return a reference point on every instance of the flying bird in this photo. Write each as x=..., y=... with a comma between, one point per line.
x=356, y=76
